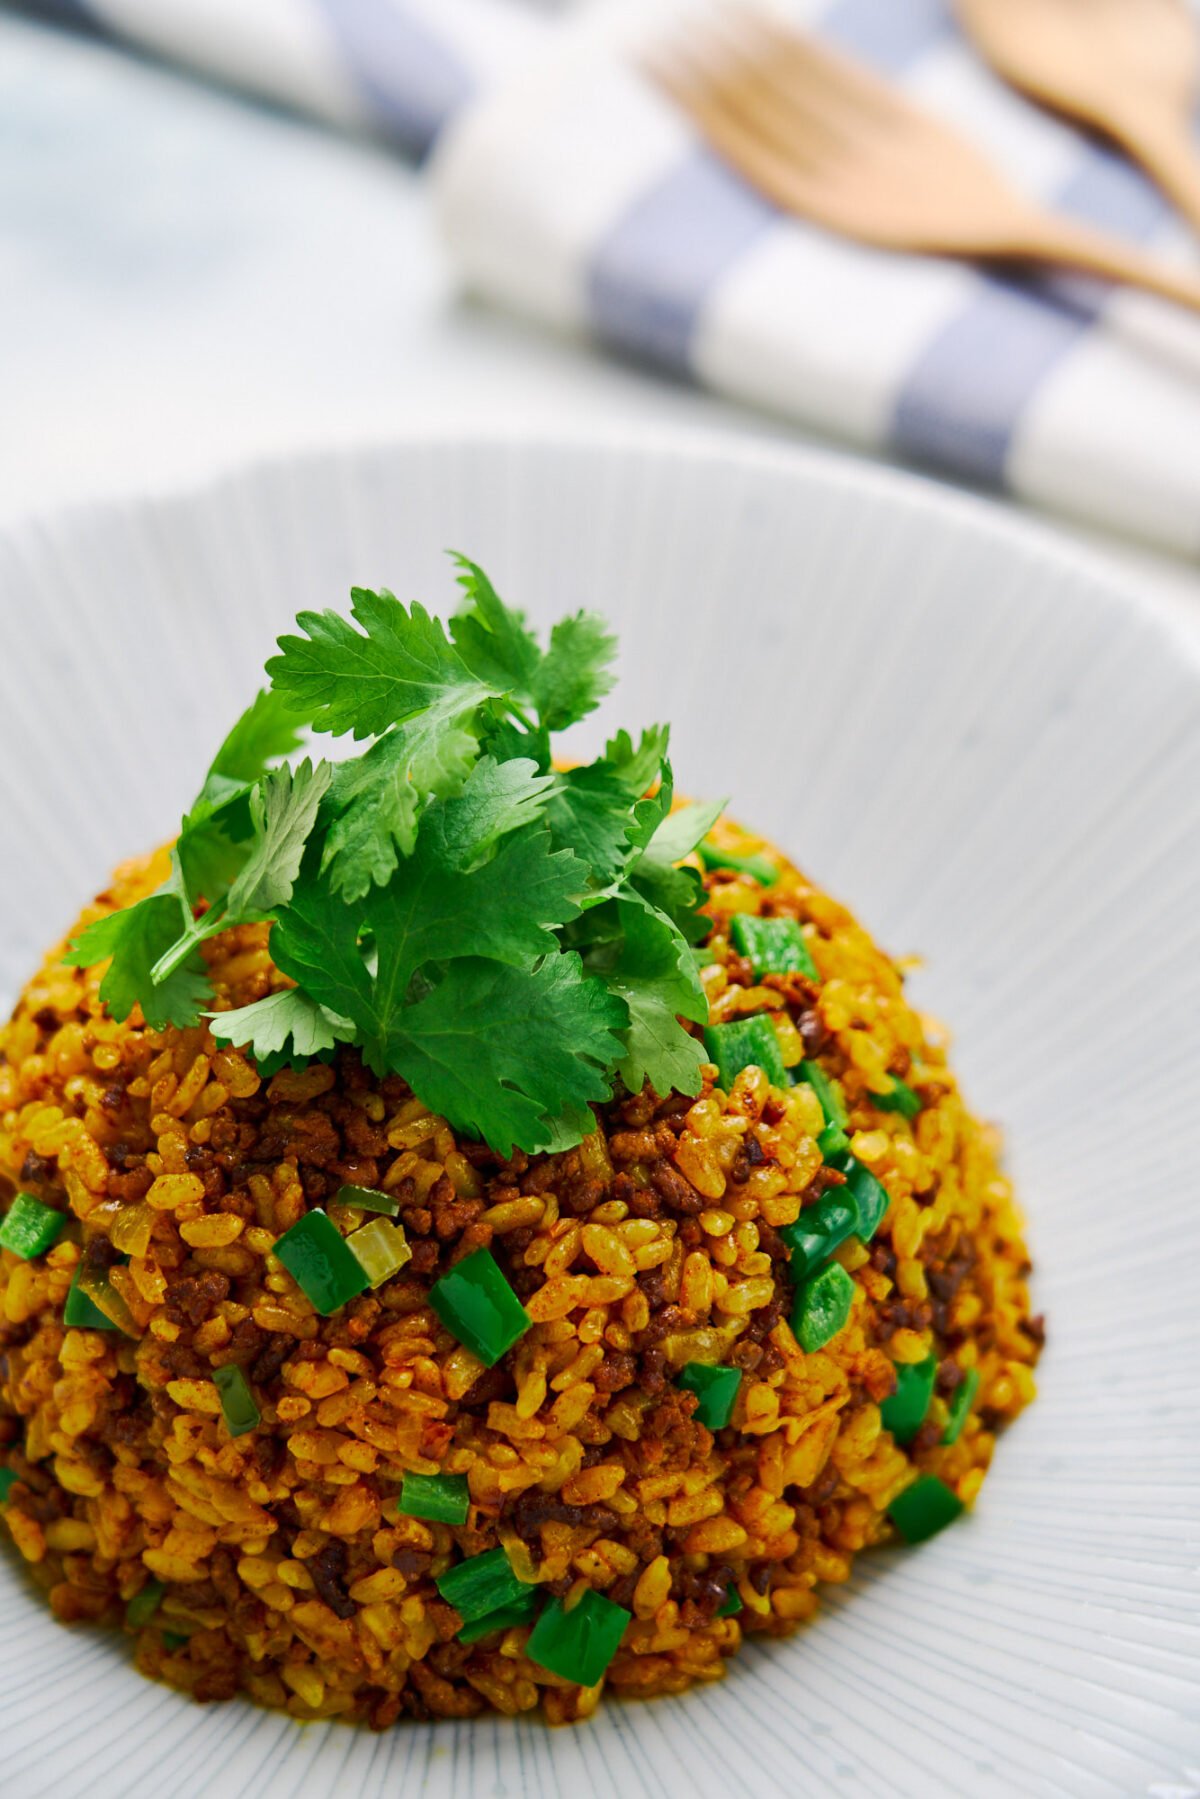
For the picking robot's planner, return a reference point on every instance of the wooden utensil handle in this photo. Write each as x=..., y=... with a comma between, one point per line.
x=1163, y=146
x=1063, y=244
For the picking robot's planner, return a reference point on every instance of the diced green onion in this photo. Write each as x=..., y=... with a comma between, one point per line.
x=959, y=1404
x=870, y=1196
x=80, y=1313
x=30, y=1227
x=173, y=1640
x=773, y=945
x=477, y=1305
x=904, y=1412
x=901, y=1099
x=578, y=1644
x=521, y=1611
x=8, y=1481
x=832, y=1142
x=819, y=1230
x=380, y=1248
x=441, y=1497
x=717, y=1389
x=731, y=1605
x=315, y=1254
x=826, y=1092
x=761, y=868
x=368, y=1199
x=924, y=1508
x=144, y=1605
x=481, y=1585
x=822, y=1307
x=237, y=1401
x=745, y=1043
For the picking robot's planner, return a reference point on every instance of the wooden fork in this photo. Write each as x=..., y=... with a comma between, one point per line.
x=1128, y=68
x=826, y=139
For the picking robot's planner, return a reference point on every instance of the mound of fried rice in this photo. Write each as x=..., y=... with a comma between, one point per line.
x=289, y=1575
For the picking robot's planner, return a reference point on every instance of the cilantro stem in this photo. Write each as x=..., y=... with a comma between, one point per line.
x=179, y=952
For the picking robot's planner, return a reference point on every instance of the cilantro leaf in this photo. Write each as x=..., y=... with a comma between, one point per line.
x=268, y=729
x=373, y=809
x=589, y=809
x=573, y=676
x=315, y=940
x=505, y=910
x=497, y=1050
x=638, y=767
x=654, y=876
x=283, y=810
x=682, y=829
x=506, y=1051
x=218, y=823
x=597, y=809
x=651, y=968
x=571, y=1126
x=212, y=842
x=289, y=1024
x=376, y=799
x=506, y=741
x=398, y=664
x=493, y=640
x=496, y=799
x=563, y=684
x=135, y=938
x=649, y=813
x=678, y=893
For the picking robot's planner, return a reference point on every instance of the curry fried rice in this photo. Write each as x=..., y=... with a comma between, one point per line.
x=276, y=1563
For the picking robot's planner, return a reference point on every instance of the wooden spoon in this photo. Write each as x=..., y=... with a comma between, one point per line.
x=1128, y=68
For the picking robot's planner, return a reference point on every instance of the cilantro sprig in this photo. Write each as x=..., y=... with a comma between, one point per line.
x=510, y=936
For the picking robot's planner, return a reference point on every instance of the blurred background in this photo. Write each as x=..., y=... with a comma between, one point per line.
x=230, y=228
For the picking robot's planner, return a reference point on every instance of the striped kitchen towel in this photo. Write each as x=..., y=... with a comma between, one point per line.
x=571, y=191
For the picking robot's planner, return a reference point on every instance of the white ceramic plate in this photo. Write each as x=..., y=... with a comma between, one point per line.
x=996, y=760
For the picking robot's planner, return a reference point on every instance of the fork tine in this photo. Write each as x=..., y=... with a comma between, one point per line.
x=803, y=118
x=715, y=98
x=792, y=179
x=799, y=67
x=683, y=74
x=730, y=61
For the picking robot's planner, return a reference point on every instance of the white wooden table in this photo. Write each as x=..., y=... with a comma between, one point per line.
x=187, y=280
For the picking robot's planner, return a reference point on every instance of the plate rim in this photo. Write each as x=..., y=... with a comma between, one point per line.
x=995, y=518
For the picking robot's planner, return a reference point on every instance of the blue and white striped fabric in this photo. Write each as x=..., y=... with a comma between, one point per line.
x=571, y=191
